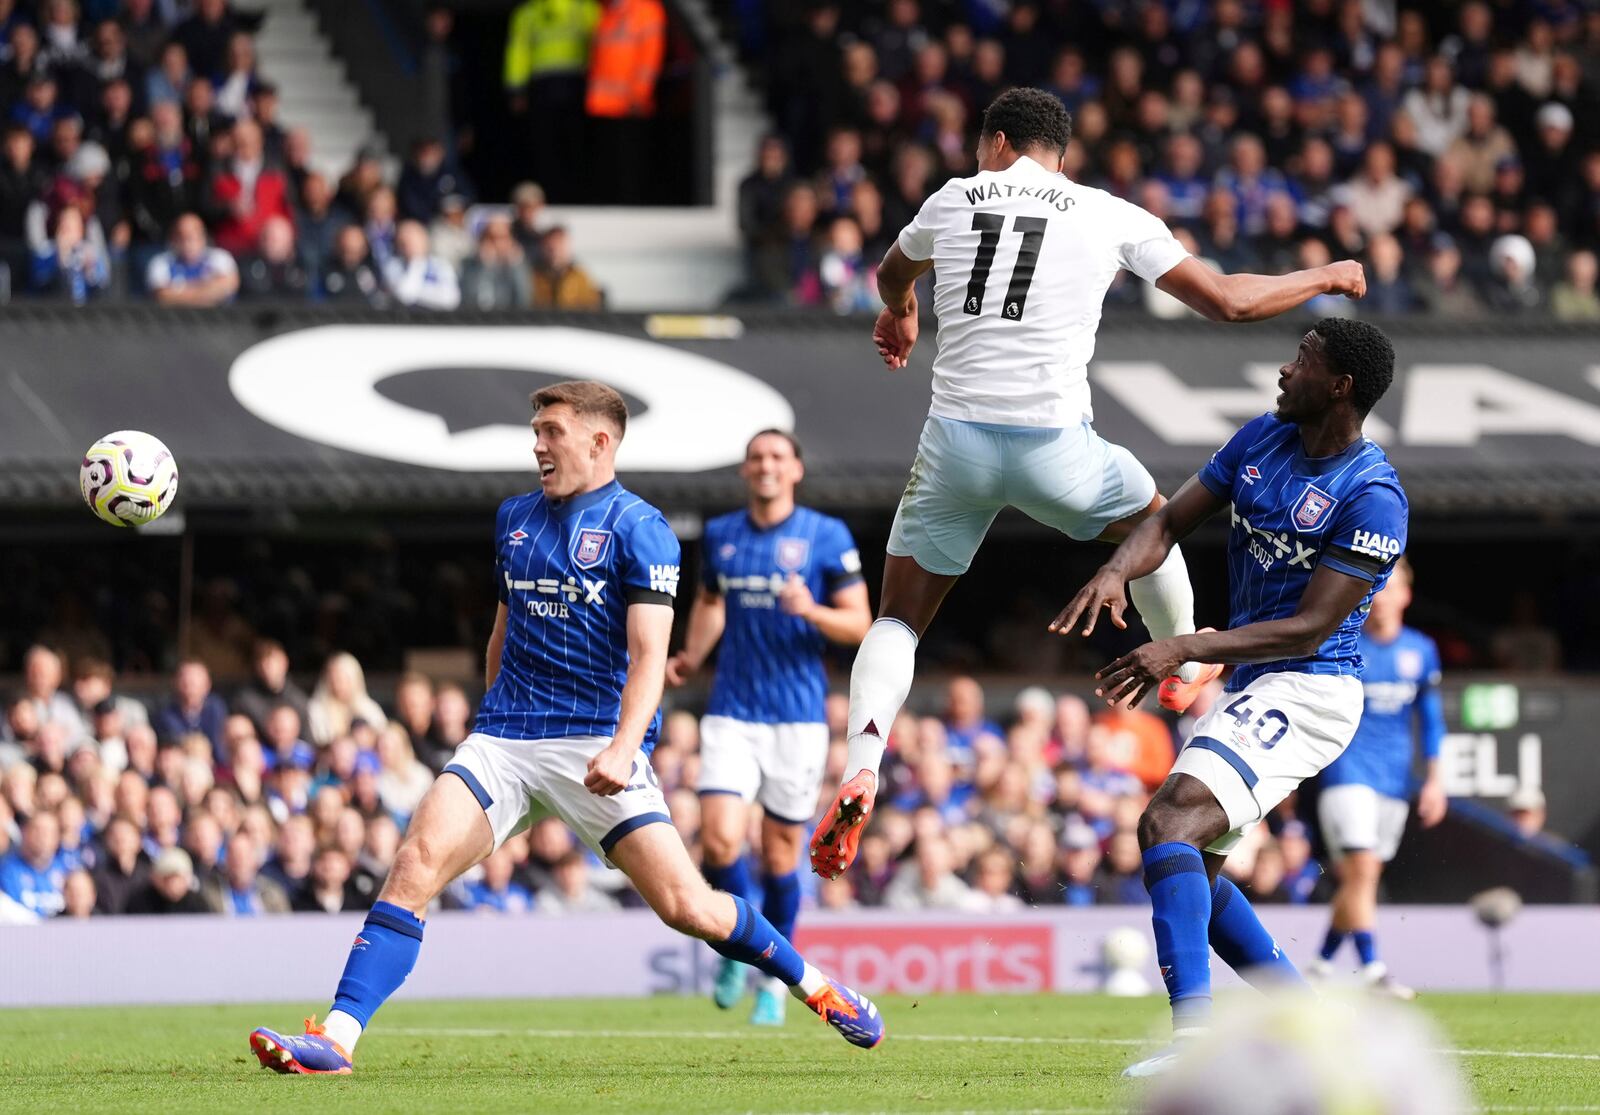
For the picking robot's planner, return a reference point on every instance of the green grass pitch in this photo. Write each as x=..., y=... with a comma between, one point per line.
x=1523, y=1053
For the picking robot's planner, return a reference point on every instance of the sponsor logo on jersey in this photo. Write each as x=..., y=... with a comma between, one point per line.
x=558, y=595
x=664, y=578
x=1313, y=507
x=590, y=547
x=1375, y=545
x=1268, y=548
x=792, y=554
x=517, y=538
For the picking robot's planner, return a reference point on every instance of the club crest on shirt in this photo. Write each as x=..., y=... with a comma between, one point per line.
x=727, y=551
x=590, y=548
x=1313, y=507
x=792, y=554
x=1408, y=664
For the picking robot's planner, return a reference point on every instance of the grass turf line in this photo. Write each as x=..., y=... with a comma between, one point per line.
x=672, y=1054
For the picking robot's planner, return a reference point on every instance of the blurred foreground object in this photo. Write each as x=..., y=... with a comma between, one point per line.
x=1303, y=1055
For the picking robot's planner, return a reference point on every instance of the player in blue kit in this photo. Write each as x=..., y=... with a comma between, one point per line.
x=1366, y=791
x=778, y=583
x=1317, y=521
x=587, y=573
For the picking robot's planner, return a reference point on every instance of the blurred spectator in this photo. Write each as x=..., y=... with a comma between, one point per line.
x=1526, y=808
x=274, y=270
x=558, y=282
x=761, y=196
x=1301, y=874
x=845, y=279
x=1512, y=289
x=329, y=890
x=191, y=273
x=246, y=192
x=547, y=53
x=240, y=890
x=1574, y=298
x=78, y=895
x=1080, y=859
x=340, y=700
x=993, y=883
x=441, y=74
x=192, y=708
x=495, y=891
x=1388, y=290
x=269, y=685
x=145, y=29
x=171, y=889
x=966, y=726
x=289, y=865
x=169, y=80
x=528, y=224
x=1445, y=290
x=349, y=274
x=205, y=36
x=164, y=176
x=34, y=872
x=1439, y=108
x=1377, y=196
x=417, y=277
x=123, y=869
x=237, y=82
x=930, y=883
x=572, y=891
x=450, y=232
x=41, y=680
x=1481, y=146
x=496, y=276
x=427, y=178
x=403, y=779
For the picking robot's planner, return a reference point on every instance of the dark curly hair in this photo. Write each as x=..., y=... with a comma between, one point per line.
x=1029, y=118
x=1361, y=351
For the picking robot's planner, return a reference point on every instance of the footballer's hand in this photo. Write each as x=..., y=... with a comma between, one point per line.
x=1105, y=590
x=795, y=597
x=1432, y=803
x=895, y=335
x=1137, y=673
x=680, y=668
x=1347, y=278
x=609, y=771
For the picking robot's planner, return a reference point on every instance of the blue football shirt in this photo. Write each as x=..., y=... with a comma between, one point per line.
x=1292, y=513
x=1401, y=683
x=566, y=573
x=770, y=666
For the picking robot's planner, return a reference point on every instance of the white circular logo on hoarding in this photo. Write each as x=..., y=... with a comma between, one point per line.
x=321, y=384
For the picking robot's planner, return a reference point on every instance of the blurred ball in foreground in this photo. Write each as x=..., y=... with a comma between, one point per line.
x=128, y=478
x=1300, y=1055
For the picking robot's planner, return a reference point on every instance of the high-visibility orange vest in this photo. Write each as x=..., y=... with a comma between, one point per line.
x=628, y=47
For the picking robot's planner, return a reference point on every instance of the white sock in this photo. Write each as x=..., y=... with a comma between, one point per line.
x=811, y=982
x=880, y=681
x=342, y=1029
x=1165, y=600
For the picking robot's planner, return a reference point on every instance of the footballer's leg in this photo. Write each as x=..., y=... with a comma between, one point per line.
x=451, y=831
x=729, y=777
x=654, y=858
x=724, y=820
x=956, y=489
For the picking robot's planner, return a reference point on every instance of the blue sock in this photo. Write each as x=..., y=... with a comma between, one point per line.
x=1180, y=900
x=734, y=878
x=1366, y=946
x=1244, y=943
x=1331, y=943
x=380, y=960
x=780, y=901
x=754, y=942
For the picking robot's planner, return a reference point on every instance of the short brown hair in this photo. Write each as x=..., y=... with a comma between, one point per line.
x=773, y=431
x=585, y=397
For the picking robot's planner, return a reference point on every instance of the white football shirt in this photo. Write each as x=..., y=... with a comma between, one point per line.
x=1022, y=259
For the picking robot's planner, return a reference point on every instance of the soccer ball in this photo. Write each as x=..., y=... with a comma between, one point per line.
x=128, y=478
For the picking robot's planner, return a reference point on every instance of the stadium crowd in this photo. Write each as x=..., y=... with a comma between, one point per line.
x=142, y=155
x=267, y=798
x=1453, y=148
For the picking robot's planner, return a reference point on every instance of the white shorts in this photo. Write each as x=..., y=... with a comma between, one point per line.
x=520, y=781
x=964, y=473
x=1357, y=818
x=778, y=765
x=1255, y=746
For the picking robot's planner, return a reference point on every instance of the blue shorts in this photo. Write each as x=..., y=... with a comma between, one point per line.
x=965, y=472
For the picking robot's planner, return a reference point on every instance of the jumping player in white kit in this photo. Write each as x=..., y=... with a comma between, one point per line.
x=1023, y=257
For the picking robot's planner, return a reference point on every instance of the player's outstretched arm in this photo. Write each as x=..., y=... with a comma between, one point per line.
x=895, y=332
x=649, y=633
x=707, y=619
x=1140, y=553
x=1246, y=297
x=497, y=646
x=1329, y=598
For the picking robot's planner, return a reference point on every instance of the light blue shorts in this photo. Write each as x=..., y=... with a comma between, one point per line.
x=965, y=472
